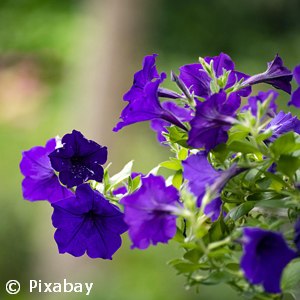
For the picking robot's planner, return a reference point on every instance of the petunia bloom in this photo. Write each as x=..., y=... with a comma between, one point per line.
x=181, y=113
x=276, y=75
x=144, y=76
x=41, y=182
x=265, y=255
x=88, y=223
x=78, y=160
x=295, y=98
x=201, y=176
x=283, y=123
x=198, y=81
x=262, y=97
x=148, y=212
x=146, y=106
x=297, y=235
x=213, y=119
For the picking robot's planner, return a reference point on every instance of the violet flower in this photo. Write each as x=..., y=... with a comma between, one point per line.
x=146, y=106
x=78, y=160
x=41, y=182
x=148, y=212
x=213, y=119
x=283, y=123
x=266, y=254
x=198, y=81
x=276, y=75
x=297, y=235
x=201, y=176
x=295, y=98
x=181, y=113
x=144, y=76
x=262, y=97
x=88, y=223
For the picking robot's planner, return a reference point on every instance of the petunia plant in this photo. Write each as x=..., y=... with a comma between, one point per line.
x=232, y=198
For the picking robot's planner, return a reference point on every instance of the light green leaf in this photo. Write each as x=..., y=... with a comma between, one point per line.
x=122, y=175
x=291, y=275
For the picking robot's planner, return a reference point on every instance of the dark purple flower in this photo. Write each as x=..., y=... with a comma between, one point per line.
x=295, y=98
x=198, y=81
x=88, y=223
x=262, y=97
x=40, y=182
x=276, y=75
x=78, y=160
x=148, y=212
x=213, y=119
x=146, y=106
x=265, y=256
x=213, y=209
x=181, y=113
x=297, y=235
x=201, y=176
x=144, y=76
x=283, y=123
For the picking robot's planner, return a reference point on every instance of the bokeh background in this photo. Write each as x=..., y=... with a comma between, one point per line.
x=66, y=64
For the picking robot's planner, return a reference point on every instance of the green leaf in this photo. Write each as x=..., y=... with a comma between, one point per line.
x=233, y=267
x=122, y=175
x=291, y=276
x=193, y=255
x=179, y=237
x=242, y=146
x=217, y=277
x=172, y=164
x=285, y=144
x=288, y=165
x=219, y=253
x=178, y=136
x=217, y=231
x=265, y=195
x=177, y=179
x=280, y=203
x=183, y=266
x=241, y=210
x=221, y=152
x=182, y=154
x=134, y=183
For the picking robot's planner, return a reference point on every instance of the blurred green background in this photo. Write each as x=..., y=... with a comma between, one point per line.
x=64, y=65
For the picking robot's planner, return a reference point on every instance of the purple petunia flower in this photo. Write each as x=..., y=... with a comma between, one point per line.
x=276, y=75
x=78, y=160
x=297, y=235
x=262, y=97
x=148, y=212
x=265, y=256
x=40, y=182
x=198, y=81
x=144, y=76
x=88, y=223
x=213, y=119
x=213, y=209
x=201, y=175
x=181, y=113
x=146, y=106
x=283, y=123
x=295, y=98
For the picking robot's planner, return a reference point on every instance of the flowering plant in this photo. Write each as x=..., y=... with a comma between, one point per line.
x=232, y=201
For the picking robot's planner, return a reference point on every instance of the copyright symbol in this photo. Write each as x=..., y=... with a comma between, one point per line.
x=13, y=287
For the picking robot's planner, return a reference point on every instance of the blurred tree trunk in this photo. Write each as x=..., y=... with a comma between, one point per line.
x=108, y=53
x=114, y=45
